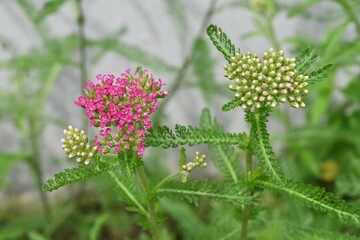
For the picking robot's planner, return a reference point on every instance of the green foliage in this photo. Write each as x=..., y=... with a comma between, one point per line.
x=132, y=53
x=96, y=228
x=261, y=147
x=81, y=173
x=225, y=158
x=320, y=74
x=231, y=105
x=189, y=135
x=304, y=60
x=212, y=190
x=50, y=8
x=316, y=198
x=352, y=91
x=221, y=42
x=176, y=12
x=316, y=234
x=203, y=67
x=8, y=160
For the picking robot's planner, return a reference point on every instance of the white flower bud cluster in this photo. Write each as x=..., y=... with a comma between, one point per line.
x=75, y=145
x=269, y=82
x=199, y=161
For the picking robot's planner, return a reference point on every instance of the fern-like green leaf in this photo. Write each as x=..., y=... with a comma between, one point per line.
x=189, y=135
x=221, y=42
x=320, y=74
x=81, y=173
x=231, y=105
x=261, y=147
x=191, y=191
x=304, y=60
x=316, y=198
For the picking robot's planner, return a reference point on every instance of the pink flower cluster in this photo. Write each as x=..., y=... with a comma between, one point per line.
x=123, y=103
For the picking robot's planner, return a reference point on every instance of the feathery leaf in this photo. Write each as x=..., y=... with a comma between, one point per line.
x=72, y=175
x=189, y=135
x=304, y=60
x=319, y=74
x=191, y=191
x=261, y=147
x=221, y=42
x=317, y=198
x=231, y=105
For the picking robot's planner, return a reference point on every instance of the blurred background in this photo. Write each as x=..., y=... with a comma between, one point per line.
x=48, y=49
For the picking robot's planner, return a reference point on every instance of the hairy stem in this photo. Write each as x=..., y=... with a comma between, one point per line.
x=151, y=203
x=246, y=209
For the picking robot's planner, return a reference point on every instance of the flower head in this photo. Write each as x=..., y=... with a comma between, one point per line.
x=75, y=144
x=123, y=103
x=273, y=80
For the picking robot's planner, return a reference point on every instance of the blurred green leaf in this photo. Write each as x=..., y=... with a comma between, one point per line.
x=8, y=160
x=176, y=11
x=49, y=8
x=302, y=7
x=203, y=67
x=133, y=53
x=352, y=90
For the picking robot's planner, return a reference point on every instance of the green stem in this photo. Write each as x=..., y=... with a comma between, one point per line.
x=171, y=176
x=151, y=203
x=36, y=168
x=348, y=9
x=83, y=55
x=127, y=192
x=246, y=209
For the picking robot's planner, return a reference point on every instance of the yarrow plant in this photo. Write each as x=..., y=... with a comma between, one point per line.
x=121, y=108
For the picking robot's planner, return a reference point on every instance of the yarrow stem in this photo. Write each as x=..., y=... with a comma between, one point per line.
x=246, y=208
x=150, y=200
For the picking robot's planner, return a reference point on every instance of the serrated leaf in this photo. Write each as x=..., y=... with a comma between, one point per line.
x=213, y=190
x=316, y=198
x=81, y=173
x=183, y=157
x=221, y=42
x=261, y=147
x=203, y=67
x=304, y=60
x=231, y=105
x=127, y=164
x=189, y=135
x=320, y=74
x=205, y=118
